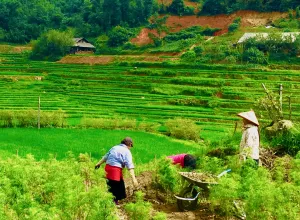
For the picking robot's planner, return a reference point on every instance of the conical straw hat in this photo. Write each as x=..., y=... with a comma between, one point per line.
x=250, y=116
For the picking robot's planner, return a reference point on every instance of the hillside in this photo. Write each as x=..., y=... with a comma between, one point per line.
x=177, y=23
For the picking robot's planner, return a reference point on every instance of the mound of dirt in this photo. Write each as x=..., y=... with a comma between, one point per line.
x=177, y=23
x=91, y=60
x=159, y=202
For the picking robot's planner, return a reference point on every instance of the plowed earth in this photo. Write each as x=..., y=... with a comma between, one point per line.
x=158, y=200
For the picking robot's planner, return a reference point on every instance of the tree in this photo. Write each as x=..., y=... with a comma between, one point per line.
x=177, y=7
x=52, y=45
x=148, y=8
x=118, y=36
x=111, y=13
x=159, y=24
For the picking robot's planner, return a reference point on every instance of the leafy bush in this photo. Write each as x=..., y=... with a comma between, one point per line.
x=235, y=24
x=233, y=27
x=198, y=50
x=29, y=118
x=189, y=56
x=68, y=189
x=160, y=216
x=139, y=210
x=109, y=123
x=254, y=55
x=289, y=141
x=225, y=194
x=118, y=36
x=167, y=176
x=183, y=129
x=52, y=45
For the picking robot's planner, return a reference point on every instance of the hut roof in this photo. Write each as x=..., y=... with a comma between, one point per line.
x=284, y=36
x=82, y=42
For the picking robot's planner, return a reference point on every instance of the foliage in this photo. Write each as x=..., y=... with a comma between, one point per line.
x=276, y=44
x=224, y=6
x=52, y=45
x=160, y=216
x=29, y=118
x=198, y=50
x=178, y=7
x=183, y=129
x=225, y=194
x=270, y=104
x=167, y=176
x=234, y=25
x=254, y=55
x=188, y=56
x=22, y=21
x=139, y=210
x=118, y=36
x=289, y=141
x=53, y=189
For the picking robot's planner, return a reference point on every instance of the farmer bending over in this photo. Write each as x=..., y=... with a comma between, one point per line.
x=116, y=159
x=184, y=160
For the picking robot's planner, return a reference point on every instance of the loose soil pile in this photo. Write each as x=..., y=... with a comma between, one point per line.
x=159, y=200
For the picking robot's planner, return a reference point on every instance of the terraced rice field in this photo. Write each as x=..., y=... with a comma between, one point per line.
x=210, y=97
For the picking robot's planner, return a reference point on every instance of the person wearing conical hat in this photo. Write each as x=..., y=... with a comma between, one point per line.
x=249, y=146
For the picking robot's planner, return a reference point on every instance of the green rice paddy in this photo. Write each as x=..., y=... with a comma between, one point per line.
x=152, y=94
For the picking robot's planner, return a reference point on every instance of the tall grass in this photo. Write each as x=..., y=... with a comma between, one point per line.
x=58, y=142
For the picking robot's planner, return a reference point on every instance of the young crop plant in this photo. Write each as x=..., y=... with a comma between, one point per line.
x=51, y=189
x=139, y=210
x=167, y=176
x=224, y=195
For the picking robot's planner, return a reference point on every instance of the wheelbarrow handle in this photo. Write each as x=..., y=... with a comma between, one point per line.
x=224, y=172
x=188, y=199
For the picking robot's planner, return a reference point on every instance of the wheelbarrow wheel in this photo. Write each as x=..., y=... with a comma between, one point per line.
x=184, y=205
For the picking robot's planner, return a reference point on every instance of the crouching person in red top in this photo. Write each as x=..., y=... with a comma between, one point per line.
x=184, y=160
x=116, y=159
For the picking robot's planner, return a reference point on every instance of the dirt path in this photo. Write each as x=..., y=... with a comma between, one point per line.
x=159, y=203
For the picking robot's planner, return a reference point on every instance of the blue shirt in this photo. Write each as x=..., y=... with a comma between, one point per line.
x=119, y=156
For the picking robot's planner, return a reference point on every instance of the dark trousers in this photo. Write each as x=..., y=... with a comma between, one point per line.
x=117, y=188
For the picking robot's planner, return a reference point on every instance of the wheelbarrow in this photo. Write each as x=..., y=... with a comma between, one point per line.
x=198, y=186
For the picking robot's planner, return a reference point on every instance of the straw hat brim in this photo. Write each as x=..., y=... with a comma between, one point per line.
x=250, y=116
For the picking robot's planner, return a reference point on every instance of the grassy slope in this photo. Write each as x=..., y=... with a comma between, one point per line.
x=41, y=143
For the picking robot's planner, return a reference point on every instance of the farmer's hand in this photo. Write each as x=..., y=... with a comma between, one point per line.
x=135, y=183
x=97, y=166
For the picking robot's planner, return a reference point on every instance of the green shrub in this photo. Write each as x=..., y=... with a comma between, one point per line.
x=233, y=27
x=52, y=45
x=189, y=56
x=183, y=129
x=139, y=210
x=118, y=36
x=254, y=55
x=51, y=189
x=109, y=123
x=289, y=141
x=6, y=118
x=167, y=176
x=160, y=216
x=198, y=50
x=225, y=194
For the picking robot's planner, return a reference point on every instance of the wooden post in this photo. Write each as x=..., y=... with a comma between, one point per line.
x=235, y=127
x=280, y=97
x=39, y=113
x=290, y=108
